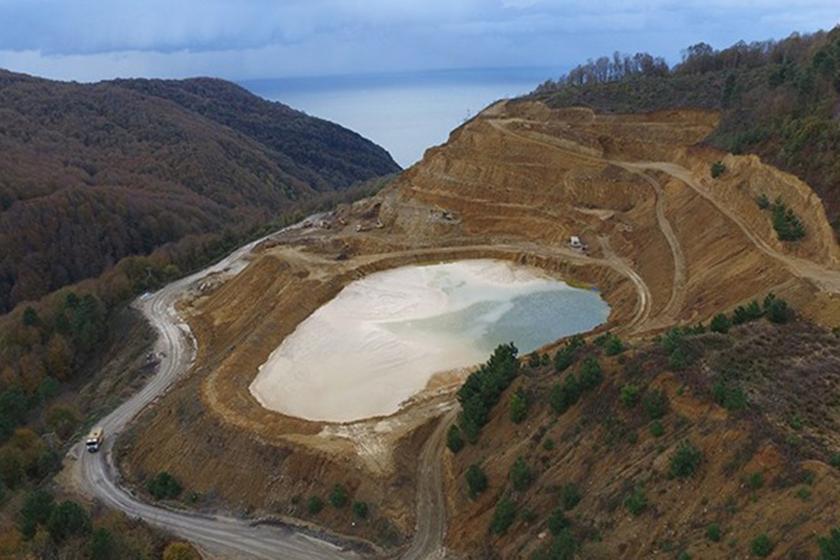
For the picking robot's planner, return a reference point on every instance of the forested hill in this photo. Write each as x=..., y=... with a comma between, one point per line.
x=778, y=99
x=92, y=173
x=323, y=153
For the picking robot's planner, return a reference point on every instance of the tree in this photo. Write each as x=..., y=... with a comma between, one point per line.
x=484, y=387
x=314, y=505
x=62, y=420
x=830, y=546
x=557, y=521
x=718, y=169
x=762, y=546
x=476, y=480
x=729, y=396
x=564, y=396
x=636, y=502
x=11, y=466
x=685, y=460
x=746, y=313
x=629, y=395
x=591, y=374
x=36, y=510
x=68, y=519
x=59, y=358
x=657, y=429
x=678, y=360
x=503, y=516
x=518, y=406
x=613, y=346
x=762, y=201
x=48, y=389
x=713, y=532
x=720, y=323
x=454, y=441
x=360, y=510
x=102, y=545
x=180, y=551
x=570, y=496
x=777, y=310
x=565, y=357
x=164, y=486
x=338, y=496
x=563, y=546
x=655, y=404
x=31, y=370
x=30, y=317
x=521, y=475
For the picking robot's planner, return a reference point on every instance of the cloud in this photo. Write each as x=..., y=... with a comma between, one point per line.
x=91, y=39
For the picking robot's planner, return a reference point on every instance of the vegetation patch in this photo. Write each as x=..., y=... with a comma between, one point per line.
x=503, y=516
x=762, y=546
x=164, y=486
x=636, y=502
x=787, y=224
x=566, y=356
x=476, y=480
x=685, y=460
x=483, y=388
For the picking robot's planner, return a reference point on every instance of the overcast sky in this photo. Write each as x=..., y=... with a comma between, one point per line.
x=93, y=39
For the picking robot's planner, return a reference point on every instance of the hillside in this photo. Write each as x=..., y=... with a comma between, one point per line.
x=730, y=451
x=777, y=99
x=669, y=245
x=93, y=173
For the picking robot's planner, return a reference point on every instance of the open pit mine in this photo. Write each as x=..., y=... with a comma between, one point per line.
x=329, y=354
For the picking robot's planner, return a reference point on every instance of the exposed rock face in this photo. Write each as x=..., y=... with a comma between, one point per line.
x=667, y=245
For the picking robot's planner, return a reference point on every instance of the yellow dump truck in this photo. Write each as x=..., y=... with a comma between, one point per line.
x=94, y=440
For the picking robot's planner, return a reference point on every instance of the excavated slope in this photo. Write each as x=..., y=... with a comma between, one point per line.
x=667, y=245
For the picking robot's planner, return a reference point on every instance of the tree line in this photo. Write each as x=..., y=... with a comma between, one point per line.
x=777, y=99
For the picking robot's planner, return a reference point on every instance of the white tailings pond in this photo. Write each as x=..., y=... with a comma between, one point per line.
x=382, y=338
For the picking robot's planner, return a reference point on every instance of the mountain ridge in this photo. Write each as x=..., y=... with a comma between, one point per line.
x=97, y=172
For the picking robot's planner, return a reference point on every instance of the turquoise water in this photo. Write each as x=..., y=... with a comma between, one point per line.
x=383, y=338
x=530, y=321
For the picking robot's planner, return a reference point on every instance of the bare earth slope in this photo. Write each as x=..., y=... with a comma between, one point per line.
x=668, y=246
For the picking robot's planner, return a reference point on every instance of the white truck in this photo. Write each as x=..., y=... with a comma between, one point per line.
x=94, y=440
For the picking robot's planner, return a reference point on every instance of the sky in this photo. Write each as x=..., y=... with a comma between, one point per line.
x=88, y=40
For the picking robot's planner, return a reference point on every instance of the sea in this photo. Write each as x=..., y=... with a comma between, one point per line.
x=405, y=112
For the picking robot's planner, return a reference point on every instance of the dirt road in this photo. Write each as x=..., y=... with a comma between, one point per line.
x=675, y=303
x=828, y=279
x=431, y=503
x=96, y=475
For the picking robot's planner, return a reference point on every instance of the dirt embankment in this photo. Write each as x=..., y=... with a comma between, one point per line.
x=666, y=245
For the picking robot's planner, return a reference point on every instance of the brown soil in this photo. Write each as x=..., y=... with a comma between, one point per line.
x=667, y=245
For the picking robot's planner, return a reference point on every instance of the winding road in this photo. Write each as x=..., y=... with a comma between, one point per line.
x=228, y=537
x=97, y=476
